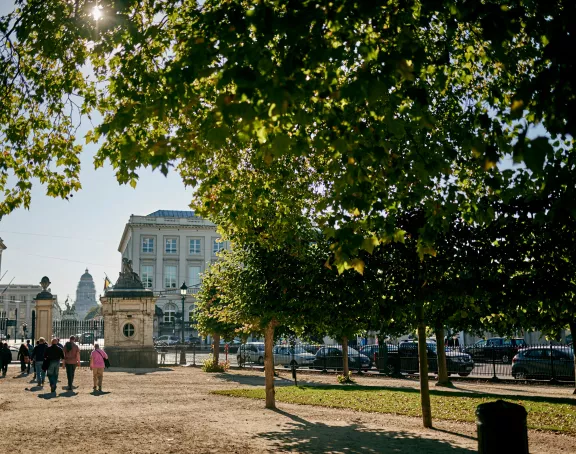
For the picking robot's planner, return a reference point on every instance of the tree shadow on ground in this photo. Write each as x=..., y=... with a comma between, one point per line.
x=437, y=392
x=255, y=380
x=138, y=371
x=304, y=436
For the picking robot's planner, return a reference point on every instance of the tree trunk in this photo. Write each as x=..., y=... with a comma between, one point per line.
x=573, y=332
x=269, y=365
x=423, y=359
x=216, y=347
x=443, y=379
x=345, y=368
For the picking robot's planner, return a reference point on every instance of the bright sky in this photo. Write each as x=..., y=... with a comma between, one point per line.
x=59, y=238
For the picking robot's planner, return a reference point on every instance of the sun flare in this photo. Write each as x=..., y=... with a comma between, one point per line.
x=97, y=13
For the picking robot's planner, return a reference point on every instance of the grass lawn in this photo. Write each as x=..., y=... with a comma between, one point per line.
x=544, y=413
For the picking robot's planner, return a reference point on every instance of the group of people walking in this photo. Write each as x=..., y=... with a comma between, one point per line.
x=47, y=360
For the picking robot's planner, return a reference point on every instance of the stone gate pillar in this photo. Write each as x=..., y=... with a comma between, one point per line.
x=44, y=305
x=128, y=309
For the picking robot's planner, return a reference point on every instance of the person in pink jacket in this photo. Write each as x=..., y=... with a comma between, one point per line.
x=97, y=366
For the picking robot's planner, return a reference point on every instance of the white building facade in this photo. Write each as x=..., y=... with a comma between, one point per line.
x=168, y=248
x=17, y=304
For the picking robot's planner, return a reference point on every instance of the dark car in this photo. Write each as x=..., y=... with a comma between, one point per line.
x=495, y=349
x=544, y=363
x=85, y=338
x=332, y=358
x=456, y=362
x=375, y=351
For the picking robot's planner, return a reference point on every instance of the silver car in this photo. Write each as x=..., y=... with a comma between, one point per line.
x=288, y=356
x=251, y=352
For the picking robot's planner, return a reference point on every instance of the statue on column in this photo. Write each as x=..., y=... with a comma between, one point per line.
x=127, y=278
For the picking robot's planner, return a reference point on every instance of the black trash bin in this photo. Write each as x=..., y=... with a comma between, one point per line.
x=501, y=428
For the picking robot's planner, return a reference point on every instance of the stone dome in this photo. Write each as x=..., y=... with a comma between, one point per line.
x=86, y=276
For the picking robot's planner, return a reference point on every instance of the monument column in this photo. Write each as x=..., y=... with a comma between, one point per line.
x=128, y=309
x=44, y=306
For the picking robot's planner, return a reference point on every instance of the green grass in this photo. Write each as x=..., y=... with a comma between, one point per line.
x=544, y=413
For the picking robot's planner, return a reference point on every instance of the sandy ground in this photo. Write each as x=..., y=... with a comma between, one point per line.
x=171, y=411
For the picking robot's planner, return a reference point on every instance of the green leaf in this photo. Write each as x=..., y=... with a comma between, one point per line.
x=535, y=153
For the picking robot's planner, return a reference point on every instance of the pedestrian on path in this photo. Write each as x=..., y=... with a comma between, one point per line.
x=71, y=360
x=53, y=355
x=6, y=358
x=38, y=354
x=24, y=357
x=30, y=349
x=97, y=365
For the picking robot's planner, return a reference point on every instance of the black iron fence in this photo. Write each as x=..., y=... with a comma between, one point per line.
x=540, y=362
x=86, y=332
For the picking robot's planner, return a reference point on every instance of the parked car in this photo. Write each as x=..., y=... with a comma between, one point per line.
x=251, y=352
x=84, y=338
x=375, y=350
x=14, y=351
x=407, y=359
x=167, y=339
x=286, y=355
x=233, y=345
x=331, y=358
x=544, y=363
x=495, y=348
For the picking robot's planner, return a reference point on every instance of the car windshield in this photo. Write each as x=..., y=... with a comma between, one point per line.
x=352, y=351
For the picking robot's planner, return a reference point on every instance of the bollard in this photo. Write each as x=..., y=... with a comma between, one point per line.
x=294, y=374
x=501, y=428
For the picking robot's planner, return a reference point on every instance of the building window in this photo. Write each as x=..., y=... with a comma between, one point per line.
x=128, y=330
x=170, y=276
x=147, y=245
x=147, y=276
x=171, y=246
x=191, y=318
x=170, y=313
x=195, y=246
x=217, y=246
x=193, y=276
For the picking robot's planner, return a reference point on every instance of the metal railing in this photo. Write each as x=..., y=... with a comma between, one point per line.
x=527, y=362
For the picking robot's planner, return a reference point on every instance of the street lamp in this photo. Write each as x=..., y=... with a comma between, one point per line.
x=183, y=291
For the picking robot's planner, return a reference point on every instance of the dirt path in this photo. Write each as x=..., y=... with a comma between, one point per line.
x=171, y=411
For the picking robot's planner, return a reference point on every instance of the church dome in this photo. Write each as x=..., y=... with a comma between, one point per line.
x=86, y=276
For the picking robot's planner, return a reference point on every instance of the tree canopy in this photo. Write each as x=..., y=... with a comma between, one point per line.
x=364, y=109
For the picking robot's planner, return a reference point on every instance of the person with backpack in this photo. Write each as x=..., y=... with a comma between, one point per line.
x=30, y=349
x=97, y=365
x=6, y=358
x=71, y=360
x=24, y=357
x=53, y=356
x=38, y=353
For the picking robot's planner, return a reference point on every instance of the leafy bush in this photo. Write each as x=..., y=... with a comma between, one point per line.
x=345, y=379
x=210, y=366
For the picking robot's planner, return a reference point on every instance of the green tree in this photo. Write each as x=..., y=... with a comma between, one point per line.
x=263, y=291
x=373, y=108
x=211, y=302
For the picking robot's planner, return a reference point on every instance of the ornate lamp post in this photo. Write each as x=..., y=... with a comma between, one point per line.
x=183, y=291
